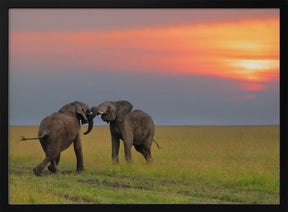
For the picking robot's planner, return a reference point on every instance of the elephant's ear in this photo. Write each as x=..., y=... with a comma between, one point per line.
x=80, y=110
x=77, y=108
x=123, y=108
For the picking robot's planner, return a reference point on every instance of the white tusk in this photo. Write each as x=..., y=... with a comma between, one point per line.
x=101, y=112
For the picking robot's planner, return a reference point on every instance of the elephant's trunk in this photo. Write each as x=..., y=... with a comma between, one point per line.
x=90, y=118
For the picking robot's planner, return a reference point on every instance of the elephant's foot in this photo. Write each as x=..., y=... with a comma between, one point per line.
x=115, y=161
x=52, y=169
x=149, y=160
x=80, y=169
x=36, y=171
x=129, y=162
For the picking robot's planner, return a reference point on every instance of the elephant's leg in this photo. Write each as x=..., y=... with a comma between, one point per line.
x=144, y=151
x=53, y=166
x=58, y=159
x=147, y=154
x=127, y=150
x=38, y=169
x=147, y=149
x=115, y=149
x=128, y=137
x=79, y=154
x=51, y=150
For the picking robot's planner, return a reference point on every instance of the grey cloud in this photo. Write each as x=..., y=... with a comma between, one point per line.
x=180, y=100
x=68, y=20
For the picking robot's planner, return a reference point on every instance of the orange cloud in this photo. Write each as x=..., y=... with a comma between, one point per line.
x=245, y=50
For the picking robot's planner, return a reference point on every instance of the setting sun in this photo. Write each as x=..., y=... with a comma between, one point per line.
x=255, y=70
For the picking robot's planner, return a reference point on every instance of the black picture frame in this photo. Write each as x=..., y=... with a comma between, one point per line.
x=281, y=4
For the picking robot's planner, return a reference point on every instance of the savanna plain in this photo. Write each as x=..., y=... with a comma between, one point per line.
x=194, y=165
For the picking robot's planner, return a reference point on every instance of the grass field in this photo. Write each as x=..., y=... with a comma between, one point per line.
x=194, y=165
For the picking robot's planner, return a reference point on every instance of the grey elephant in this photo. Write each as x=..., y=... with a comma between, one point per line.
x=58, y=131
x=133, y=127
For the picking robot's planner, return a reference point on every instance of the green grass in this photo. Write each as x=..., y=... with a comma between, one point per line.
x=195, y=165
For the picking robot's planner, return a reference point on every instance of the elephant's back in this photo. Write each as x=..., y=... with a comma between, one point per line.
x=52, y=122
x=139, y=118
x=55, y=124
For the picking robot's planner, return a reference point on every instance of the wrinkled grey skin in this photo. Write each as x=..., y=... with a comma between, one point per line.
x=58, y=131
x=134, y=128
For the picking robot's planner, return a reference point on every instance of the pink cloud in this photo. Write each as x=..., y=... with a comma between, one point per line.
x=252, y=87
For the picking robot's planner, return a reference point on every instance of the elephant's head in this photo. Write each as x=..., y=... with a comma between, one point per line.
x=111, y=111
x=82, y=112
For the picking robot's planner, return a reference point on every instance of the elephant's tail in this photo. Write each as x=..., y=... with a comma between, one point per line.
x=156, y=143
x=24, y=139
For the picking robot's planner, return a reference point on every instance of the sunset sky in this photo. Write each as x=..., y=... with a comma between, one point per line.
x=181, y=66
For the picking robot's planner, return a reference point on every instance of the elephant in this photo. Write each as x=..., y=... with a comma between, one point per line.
x=58, y=131
x=133, y=127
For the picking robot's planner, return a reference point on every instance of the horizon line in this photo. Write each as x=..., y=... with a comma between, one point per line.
x=176, y=125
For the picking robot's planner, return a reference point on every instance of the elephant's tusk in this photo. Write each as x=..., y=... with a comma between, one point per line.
x=101, y=112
